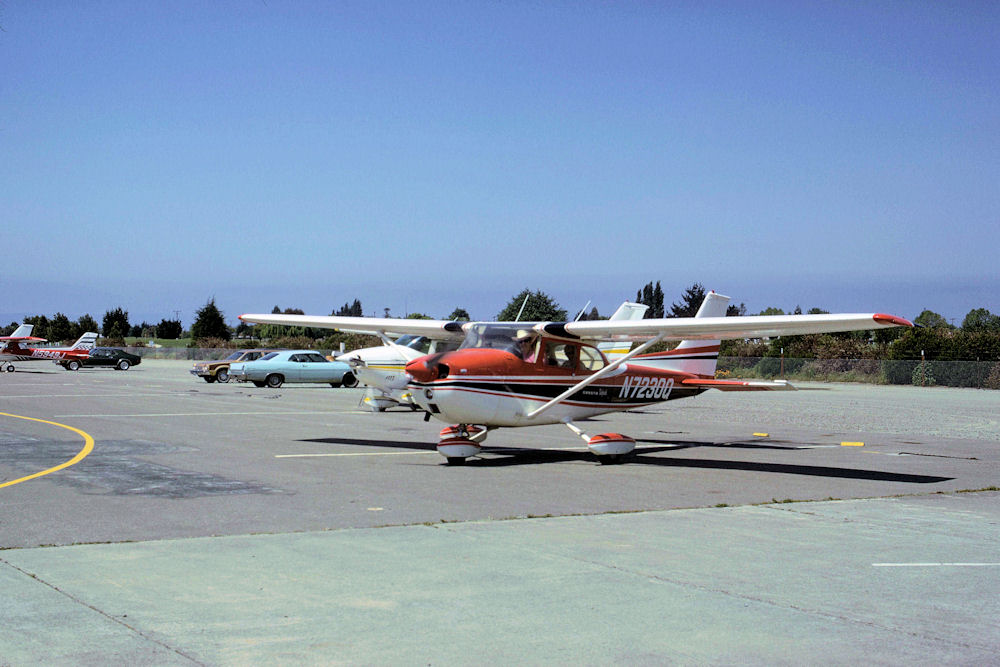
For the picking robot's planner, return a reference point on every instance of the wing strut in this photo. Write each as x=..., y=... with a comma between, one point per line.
x=604, y=372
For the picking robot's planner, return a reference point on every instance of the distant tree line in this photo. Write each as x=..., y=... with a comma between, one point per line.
x=935, y=339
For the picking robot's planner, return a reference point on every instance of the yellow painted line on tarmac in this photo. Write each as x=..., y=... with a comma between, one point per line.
x=852, y=444
x=762, y=435
x=87, y=448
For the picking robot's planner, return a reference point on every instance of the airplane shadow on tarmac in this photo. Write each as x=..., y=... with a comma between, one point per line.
x=512, y=456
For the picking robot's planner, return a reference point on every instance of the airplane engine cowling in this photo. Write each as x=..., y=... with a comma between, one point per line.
x=611, y=444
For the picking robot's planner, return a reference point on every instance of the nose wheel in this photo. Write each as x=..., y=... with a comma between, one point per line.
x=459, y=442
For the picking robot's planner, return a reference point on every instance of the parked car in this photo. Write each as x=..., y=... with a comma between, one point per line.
x=276, y=368
x=103, y=356
x=219, y=369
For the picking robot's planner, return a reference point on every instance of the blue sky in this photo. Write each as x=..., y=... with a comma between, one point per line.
x=423, y=156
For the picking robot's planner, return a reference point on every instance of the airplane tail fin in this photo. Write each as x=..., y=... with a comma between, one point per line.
x=627, y=311
x=698, y=357
x=23, y=331
x=86, y=341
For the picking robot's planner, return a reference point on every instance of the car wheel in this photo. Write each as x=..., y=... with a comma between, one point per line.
x=222, y=375
x=123, y=364
x=73, y=365
x=258, y=383
x=274, y=380
x=349, y=380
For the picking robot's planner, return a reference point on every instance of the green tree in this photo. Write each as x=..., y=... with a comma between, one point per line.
x=115, y=323
x=459, y=315
x=87, y=324
x=736, y=311
x=210, y=323
x=41, y=326
x=980, y=319
x=652, y=295
x=61, y=329
x=350, y=310
x=418, y=316
x=930, y=319
x=690, y=302
x=539, y=308
x=169, y=329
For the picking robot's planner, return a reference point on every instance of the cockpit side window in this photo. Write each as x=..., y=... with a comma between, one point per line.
x=591, y=359
x=573, y=357
x=562, y=355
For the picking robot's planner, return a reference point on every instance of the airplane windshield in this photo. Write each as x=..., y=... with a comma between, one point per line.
x=513, y=339
x=419, y=343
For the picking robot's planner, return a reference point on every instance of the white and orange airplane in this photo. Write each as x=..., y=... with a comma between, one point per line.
x=12, y=349
x=383, y=368
x=509, y=374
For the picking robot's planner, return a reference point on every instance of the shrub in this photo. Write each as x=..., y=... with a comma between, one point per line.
x=922, y=376
x=993, y=379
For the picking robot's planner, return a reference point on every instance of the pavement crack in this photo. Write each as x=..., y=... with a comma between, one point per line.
x=114, y=619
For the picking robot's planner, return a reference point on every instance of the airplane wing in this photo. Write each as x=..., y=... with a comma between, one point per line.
x=713, y=328
x=437, y=329
x=23, y=339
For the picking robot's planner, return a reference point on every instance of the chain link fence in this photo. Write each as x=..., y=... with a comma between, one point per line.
x=978, y=374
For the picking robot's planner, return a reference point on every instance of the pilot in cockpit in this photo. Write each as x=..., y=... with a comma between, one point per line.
x=526, y=347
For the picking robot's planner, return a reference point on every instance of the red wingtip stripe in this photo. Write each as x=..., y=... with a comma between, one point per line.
x=882, y=318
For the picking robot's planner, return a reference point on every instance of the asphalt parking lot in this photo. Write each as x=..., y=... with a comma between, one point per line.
x=220, y=524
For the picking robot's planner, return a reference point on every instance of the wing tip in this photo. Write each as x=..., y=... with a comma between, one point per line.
x=891, y=320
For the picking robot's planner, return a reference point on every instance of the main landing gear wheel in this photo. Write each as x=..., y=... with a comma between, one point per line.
x=609, y=448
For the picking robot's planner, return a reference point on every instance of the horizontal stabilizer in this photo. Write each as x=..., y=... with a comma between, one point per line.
x=739, y=385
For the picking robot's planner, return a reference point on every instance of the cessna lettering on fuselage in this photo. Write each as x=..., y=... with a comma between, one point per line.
x=509, y=374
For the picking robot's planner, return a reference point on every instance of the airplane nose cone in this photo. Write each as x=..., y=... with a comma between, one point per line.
x=422, y=371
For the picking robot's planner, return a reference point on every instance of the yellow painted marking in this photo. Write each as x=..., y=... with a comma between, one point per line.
x=852, y=444
x=762, y=435
x=87, y=448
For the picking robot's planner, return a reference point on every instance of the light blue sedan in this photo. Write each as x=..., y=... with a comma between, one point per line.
x=276, y=368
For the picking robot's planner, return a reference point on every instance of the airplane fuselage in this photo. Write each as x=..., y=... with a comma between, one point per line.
x=14, y=352
x=493, y=387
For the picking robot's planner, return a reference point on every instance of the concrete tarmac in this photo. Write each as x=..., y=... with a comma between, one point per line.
x=225, y=524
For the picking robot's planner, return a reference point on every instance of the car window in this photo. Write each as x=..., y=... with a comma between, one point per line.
x=269, y=355
x=233, y=357
x=297, y=357
x=316, y=358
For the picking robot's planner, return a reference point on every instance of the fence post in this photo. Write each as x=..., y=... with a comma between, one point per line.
x=923, y=373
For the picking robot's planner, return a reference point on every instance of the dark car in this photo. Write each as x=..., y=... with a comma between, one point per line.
x=108, y=356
